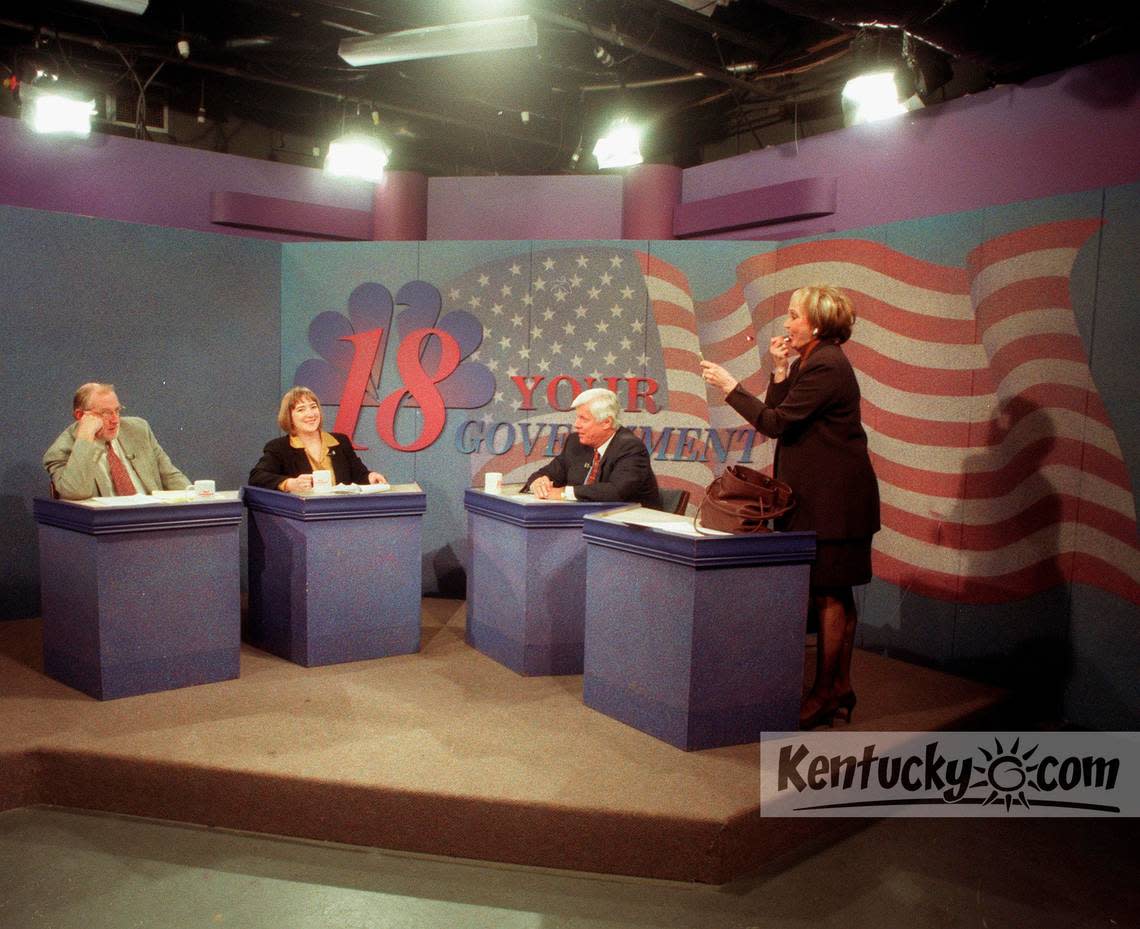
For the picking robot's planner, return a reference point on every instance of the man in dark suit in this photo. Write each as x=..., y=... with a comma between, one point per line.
x=602, y=460
x=104, y=453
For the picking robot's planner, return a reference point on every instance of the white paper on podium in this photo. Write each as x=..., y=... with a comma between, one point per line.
x=159, y=499
x=665, y=522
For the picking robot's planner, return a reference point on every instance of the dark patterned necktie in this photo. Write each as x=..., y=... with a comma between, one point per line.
x=124, y=486
x=592, y=477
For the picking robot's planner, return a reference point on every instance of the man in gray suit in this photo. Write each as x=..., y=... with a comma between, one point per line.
x=104, y=453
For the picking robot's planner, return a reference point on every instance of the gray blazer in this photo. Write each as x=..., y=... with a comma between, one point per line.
x=76, y=468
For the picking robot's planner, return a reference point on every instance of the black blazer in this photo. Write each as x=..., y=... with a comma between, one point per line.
x=821, y=449
x=280, y=461
x=625, y=474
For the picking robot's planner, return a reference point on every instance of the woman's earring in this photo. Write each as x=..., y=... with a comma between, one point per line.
x=815, y=332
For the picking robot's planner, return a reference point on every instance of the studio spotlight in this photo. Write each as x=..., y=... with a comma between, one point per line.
x=356, y=155
x=183, y=46
x=54, y=111
x=871, y=97
x=483, y=35
x=620, y=147
x=127, y=6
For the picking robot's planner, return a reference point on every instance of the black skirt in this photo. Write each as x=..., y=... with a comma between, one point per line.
x=842, y=563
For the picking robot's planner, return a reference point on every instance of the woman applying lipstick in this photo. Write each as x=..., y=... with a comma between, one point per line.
x=812, y=409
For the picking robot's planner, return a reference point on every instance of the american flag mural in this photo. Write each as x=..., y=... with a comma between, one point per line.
x=1000, y=471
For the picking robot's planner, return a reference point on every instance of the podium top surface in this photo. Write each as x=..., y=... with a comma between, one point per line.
x=671, y=537
x=527, y=510
x=397, y=500
x=103, y=516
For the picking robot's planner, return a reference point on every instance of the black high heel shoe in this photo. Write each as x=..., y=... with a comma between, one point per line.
x=846, y=702
x=825, y=713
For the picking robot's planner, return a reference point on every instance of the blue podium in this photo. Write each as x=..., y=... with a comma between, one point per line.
x=335, y=578
x=526, y=580
x=696, y=640
x=140, y=598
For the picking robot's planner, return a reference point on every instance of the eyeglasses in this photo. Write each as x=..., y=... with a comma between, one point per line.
x=108, y=414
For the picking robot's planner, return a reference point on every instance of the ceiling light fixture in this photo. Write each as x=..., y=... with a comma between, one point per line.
x=127, y=6
x=483, y=35
x=620, y=146
x=356, y=155
x=53, y=111
x=871, y=97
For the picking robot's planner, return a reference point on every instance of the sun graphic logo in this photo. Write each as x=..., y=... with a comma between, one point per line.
x=1007, y=774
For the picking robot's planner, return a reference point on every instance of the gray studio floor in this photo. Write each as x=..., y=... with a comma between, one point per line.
x=68, y=869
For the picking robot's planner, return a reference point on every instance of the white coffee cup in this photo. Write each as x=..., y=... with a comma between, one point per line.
x=203, y=488
x=493, y=482
x=322, y=482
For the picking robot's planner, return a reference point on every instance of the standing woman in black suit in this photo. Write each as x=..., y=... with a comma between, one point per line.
x=812, y=409
x=288, y=462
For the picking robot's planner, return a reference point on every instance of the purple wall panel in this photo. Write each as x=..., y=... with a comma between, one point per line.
x=489, y=208
x=146, y=182
x=1073, y=131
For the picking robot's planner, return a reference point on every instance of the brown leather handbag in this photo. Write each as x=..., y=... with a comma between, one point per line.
x=743, y=500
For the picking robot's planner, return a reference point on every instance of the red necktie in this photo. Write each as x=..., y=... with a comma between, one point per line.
x=124, y=486
x=592, y=477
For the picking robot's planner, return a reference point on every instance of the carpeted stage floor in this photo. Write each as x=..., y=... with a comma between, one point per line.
x=444, y=752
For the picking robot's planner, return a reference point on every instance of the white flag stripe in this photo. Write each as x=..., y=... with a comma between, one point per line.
x=1043, y=262
x=1051, y=479
x=1046, y=321
x=937, y=356
x=862, y=279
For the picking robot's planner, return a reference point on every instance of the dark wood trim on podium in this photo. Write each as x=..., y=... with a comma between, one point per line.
x=137, y=599
x=335, y=578
x=526, y=583
x=698, y=641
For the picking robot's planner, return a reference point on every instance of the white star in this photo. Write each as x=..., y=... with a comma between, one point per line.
x=593, y=292
x=643, y=359
x=475, y=354
x=498, y=396
x=524, y=353
x=516, y=405
x=576, y=361
x=602, y=326
x=626, y=343
x=575, y=280
x=606, y=278
x=591, y=345
x=539, y=284
x=629, y=375
x=580, y=311
x=583, y=261
x=504, y=343
x=596, y=375
x=536, y=332
x=484, y=280
x=615, y=262
x=615, y=310
x=556, y=348
x=505, y=290
x=569, y=328
x=609, y=358
x=627, y=292
x=544, y=365
x=548, y=264
x=453, y=293
x=512, y=371
x=515, y=269
x=548, y=314
x=475, y=302
x=560, y=296
x=516, y=320
x=636, y=325
x=493, y=364
x=497, y=309
x=528, y=300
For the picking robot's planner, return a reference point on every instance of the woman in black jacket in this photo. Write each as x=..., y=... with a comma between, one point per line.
x=812, y=409
x=288, y=462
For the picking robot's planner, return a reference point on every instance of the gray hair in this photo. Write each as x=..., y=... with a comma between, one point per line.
x=602, y=404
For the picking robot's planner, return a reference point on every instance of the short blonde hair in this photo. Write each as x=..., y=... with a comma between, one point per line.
x=293, y=396
x=828, y=309
x=86, y=391
x=602, y=404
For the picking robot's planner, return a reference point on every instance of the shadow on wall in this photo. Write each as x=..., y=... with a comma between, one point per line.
x=19, y=550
